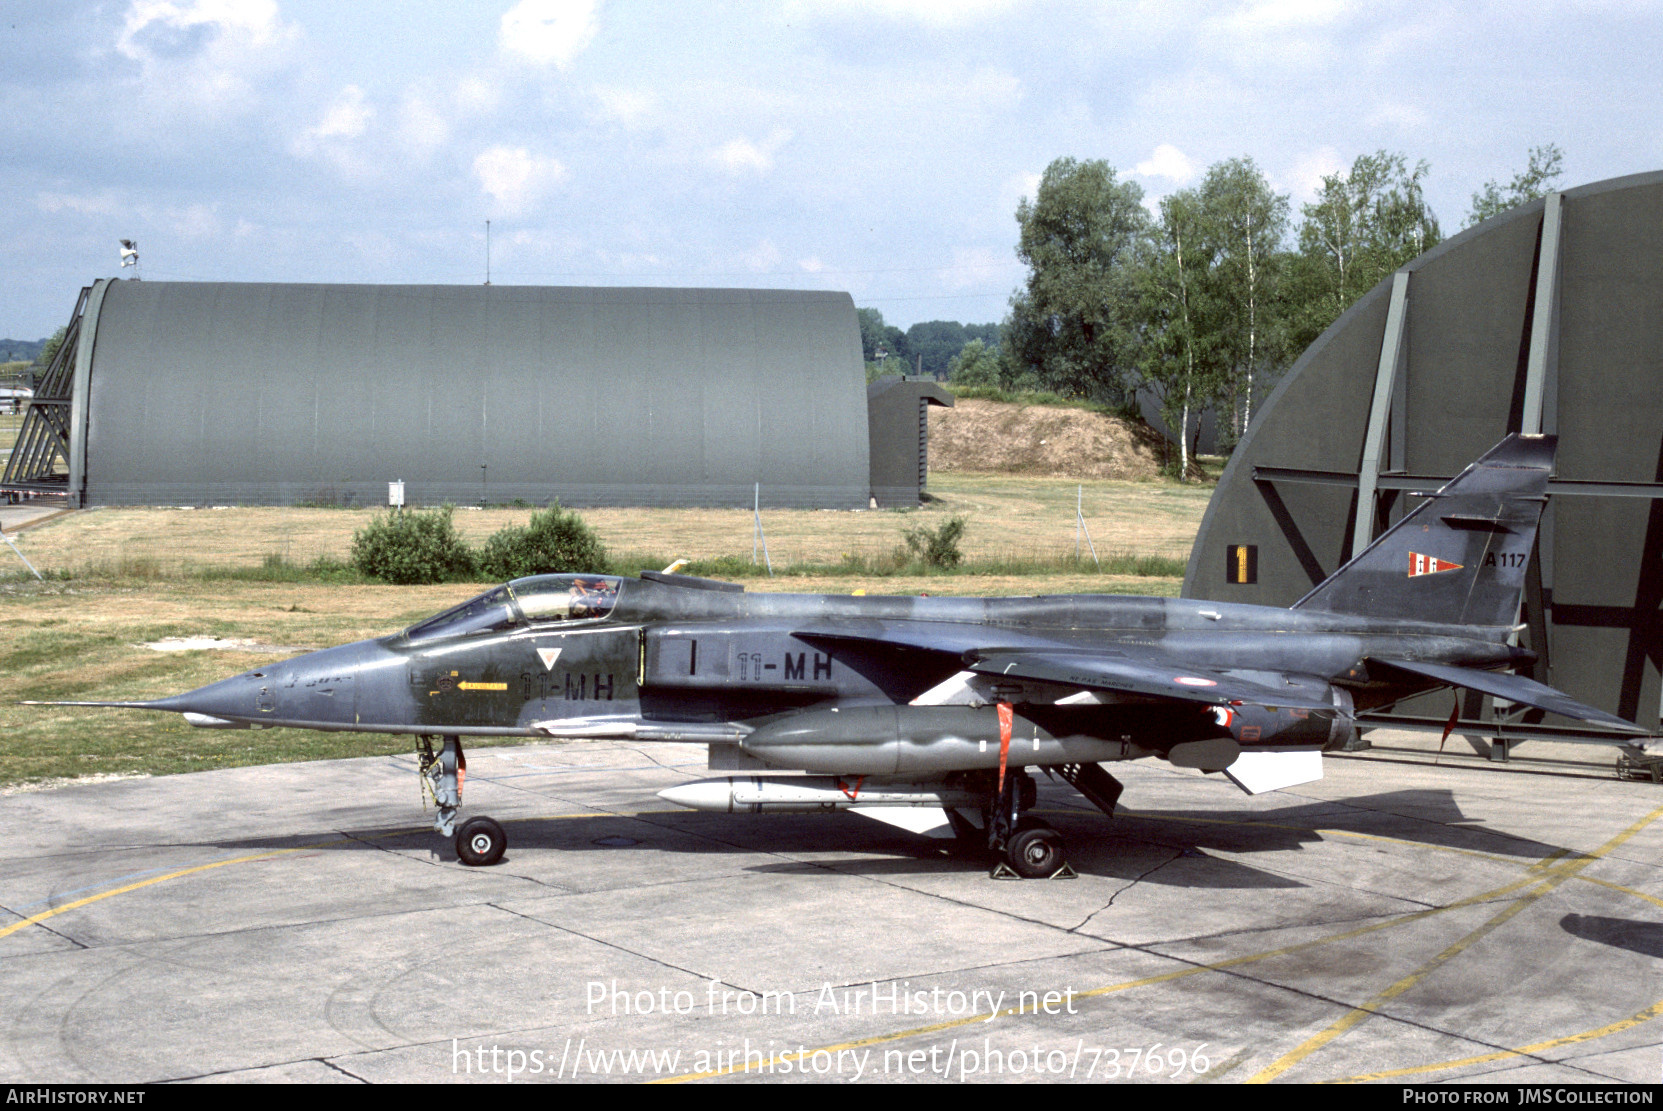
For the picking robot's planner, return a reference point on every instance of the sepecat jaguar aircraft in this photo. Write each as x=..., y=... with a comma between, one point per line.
x=930, y=713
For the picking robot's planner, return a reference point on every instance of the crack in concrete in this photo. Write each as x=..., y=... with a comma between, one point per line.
x=608, y=944
x=1119, y=891
x=327, y=1063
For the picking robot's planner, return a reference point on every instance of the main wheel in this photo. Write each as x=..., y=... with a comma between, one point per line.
x=1035, y=852
x=480, y=842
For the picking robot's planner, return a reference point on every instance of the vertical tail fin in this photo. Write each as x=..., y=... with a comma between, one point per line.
x=1459, y=558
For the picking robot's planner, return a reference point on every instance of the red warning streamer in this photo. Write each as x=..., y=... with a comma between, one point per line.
x=1449, y=727
x=1004, y=741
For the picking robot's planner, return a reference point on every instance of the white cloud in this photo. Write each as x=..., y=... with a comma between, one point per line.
x=209, y=52
x=475, y=94
x=811, y=265
x=1397, y=114
x=935, y=13
x=422, y=128
x=1276, y=15
x=346, y=118
x=1304, y=178
x=338, y=136
x=93, y=204
x=548, y=32
x=982, y=268
x=630, y=107
x=197, y=221
x=1168, y=162
x=1018, y=188
x=763, y=257
x=515, y=178
x=159, y=28
x=738, y=156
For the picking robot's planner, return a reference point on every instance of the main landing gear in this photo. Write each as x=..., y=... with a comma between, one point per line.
x=480, y=841
x=1023, y=846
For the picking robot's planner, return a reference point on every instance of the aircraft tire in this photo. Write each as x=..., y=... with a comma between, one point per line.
x=480, y=842
x=1036, y=851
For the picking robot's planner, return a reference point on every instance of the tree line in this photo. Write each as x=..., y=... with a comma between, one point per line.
x=1206, y=301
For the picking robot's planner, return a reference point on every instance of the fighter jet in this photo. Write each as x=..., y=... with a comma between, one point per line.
x=935, y=713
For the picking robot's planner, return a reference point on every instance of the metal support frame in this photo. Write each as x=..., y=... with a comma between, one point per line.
x=39, y=461
x=1541, y=414
x=1386, y=375
x=50, y=454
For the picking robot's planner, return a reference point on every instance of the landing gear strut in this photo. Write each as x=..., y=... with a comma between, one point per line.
x=1025, y=847
x=480, y=841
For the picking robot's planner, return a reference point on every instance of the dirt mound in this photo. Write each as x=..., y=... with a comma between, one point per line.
x=999, y=437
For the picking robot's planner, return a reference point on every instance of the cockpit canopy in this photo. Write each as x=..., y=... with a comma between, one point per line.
x=535, y=600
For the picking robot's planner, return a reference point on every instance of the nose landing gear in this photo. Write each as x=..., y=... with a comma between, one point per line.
x=481, y=841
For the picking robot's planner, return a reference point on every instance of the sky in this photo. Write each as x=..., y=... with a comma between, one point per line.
x=875, y=146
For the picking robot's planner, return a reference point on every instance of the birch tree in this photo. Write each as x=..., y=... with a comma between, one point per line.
x=1537, y=179
x=1364, y=224
x=1178, y=359
x=1245, y=224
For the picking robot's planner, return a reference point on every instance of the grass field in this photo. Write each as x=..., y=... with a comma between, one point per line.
x=1011, y=520
x=137, y=576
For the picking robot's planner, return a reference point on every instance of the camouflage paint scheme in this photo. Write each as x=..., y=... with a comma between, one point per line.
x=917, y=686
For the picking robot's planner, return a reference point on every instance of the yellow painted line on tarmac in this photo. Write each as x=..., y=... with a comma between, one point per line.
x=1557, y=875
x=1653, y=899
x=1146, y=981
x=102, y=895
x=1631, y=1021
x=1531, y=879
x=269, y=854
x=124, y=889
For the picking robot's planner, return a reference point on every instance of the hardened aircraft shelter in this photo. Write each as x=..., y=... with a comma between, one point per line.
x=198, y=393
x=1545, y=319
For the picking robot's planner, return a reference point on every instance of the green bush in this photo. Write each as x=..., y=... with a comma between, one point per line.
x=412, y=547
x=938, y=547
x=554, y=541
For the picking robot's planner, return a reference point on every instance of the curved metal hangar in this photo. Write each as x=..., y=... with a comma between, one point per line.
x=194, y=393
x=1545, y=319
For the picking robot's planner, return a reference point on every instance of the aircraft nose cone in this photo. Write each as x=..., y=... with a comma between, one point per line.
x=320, y=687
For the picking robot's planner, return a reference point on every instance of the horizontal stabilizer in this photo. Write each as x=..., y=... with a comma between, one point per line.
x=1513, y=688
x=1257, y=771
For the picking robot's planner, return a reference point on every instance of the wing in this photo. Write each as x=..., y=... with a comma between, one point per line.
x=1124, y=670
x=1153, y=675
